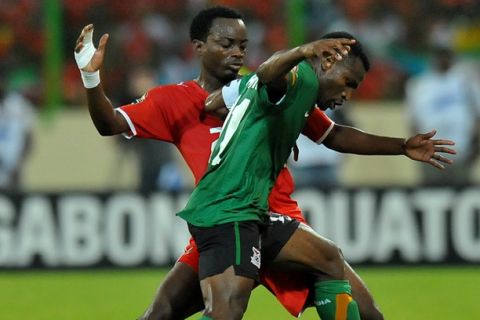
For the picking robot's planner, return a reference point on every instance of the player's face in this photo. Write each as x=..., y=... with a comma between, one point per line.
x=338, y=83
x=223, y=53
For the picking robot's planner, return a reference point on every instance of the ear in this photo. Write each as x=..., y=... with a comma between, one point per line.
x=198, y=47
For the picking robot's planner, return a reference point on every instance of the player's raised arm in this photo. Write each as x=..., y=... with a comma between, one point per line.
x=273, y=71
x=89, y=60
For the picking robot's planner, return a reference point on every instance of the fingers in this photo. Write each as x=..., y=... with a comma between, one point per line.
x=436, y=160
x=78, y=47
x=327, y=62
x=344, y=45
x=85, y=29
x=445, y=150
x=428, y=135
x=332, y=50
x=337, y=49
x=436, y=164
x=81, y=38
x=442, y=159
x=444, y=142
x=103, y=42
x=347, y=41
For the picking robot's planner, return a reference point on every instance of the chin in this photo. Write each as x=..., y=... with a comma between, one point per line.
x=229, y=76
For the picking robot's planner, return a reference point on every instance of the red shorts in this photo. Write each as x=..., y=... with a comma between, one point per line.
x=291, y=290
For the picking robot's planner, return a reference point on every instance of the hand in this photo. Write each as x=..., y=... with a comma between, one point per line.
x=97, y=60
x=328, y=50
x=422, y=147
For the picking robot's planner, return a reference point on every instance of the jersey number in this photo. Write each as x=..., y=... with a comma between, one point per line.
x=231, y=125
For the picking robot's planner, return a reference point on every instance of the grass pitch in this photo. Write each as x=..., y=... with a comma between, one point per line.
x=402, y=293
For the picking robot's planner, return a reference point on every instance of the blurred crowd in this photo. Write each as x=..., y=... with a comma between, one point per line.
x=149, y=40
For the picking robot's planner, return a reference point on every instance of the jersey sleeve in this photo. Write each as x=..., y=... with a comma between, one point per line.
x=318, y=126
x=301, y=83
x=150, y=116
x=231, y=92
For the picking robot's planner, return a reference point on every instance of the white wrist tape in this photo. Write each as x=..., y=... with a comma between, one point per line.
x=85, y=55
x=90, y=79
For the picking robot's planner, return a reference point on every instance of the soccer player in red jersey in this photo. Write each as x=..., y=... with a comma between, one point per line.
x=175, y=113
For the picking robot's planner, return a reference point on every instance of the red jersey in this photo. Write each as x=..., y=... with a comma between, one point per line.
x=176, y=113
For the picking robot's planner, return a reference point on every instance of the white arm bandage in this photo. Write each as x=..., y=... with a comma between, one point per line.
x=90, y=79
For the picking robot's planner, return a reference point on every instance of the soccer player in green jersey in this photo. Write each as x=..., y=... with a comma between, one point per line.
x=180, y=293
x=228, y=208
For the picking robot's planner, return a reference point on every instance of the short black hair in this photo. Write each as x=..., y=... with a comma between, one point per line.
x=202, y=22
x=357, y=48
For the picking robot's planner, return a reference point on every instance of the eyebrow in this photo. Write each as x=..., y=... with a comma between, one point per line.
x=218, y=37
x=233, y=40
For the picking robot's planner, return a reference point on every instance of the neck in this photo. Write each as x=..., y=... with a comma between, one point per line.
x=208, y=82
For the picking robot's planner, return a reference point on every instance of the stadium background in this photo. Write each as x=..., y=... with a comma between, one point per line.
x=79, y=241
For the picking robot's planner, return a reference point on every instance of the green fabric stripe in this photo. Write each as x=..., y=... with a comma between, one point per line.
x=296, y=22
x=52, y=59
x=237, y=245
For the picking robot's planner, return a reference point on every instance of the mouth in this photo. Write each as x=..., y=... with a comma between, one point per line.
x=235, y=66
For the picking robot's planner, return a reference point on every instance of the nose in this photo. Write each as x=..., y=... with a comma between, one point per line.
x=238, y=52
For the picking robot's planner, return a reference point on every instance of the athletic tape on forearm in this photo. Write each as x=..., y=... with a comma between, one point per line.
x=90, y=79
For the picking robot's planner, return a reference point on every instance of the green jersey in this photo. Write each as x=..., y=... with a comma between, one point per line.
x=256, y=140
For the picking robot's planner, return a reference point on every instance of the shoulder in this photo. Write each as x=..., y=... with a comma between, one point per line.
x=177, y=91
x=303, y=77
x=171, y=88
x=302, y=72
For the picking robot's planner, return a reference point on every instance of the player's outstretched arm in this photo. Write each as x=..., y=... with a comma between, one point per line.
x=420, y=147
x=273, y=71
x=89, y=60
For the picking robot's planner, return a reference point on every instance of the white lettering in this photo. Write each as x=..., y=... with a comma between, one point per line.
x=466, y=244
x=79, y=221
x=36, y=233
x=160, y=228
x=317, y=206
x=232, y=122
x=7, y=213
x=433, y=205
x=397, y=229
x=126, y=212
x=354, y=230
